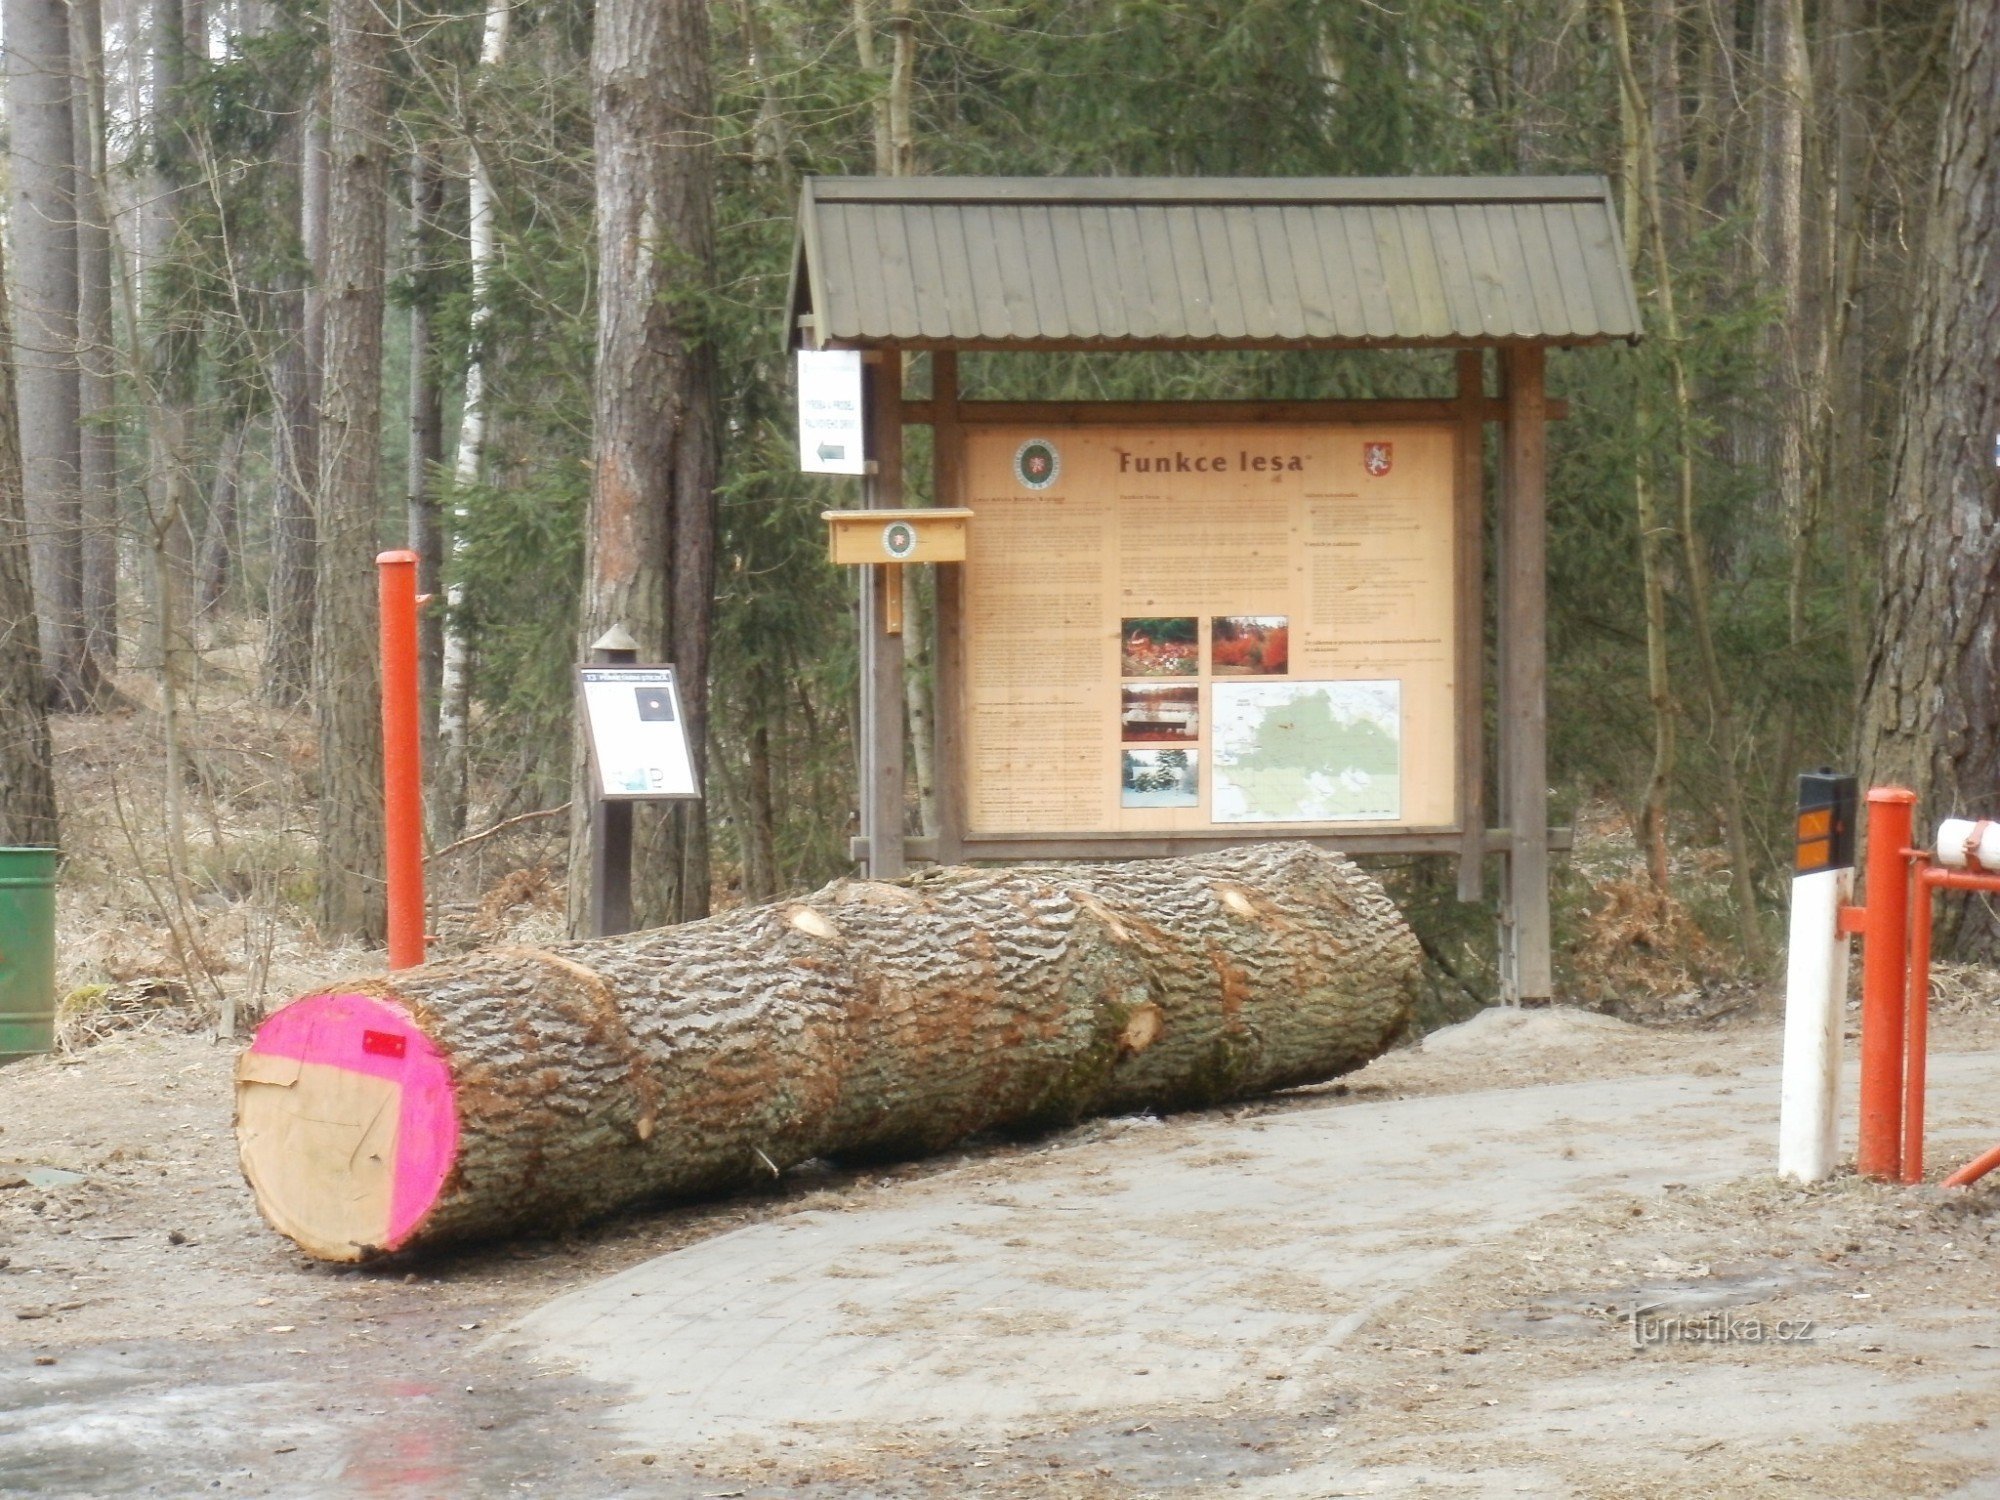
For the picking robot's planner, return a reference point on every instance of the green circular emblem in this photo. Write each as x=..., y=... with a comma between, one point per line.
x=899, y=539
x=1036, y=463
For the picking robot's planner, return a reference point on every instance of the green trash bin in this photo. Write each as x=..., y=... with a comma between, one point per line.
x=27, y=952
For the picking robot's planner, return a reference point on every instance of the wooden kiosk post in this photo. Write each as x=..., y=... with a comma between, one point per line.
x=1183, y=625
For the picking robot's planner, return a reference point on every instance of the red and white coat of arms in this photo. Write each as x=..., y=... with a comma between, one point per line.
x=1377, y=458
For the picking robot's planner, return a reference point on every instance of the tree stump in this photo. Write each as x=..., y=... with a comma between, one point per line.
x=516, y=1088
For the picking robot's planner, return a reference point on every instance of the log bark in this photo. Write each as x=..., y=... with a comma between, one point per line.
x=513, y=1088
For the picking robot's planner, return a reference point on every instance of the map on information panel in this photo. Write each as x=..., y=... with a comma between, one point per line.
x=1308, y=752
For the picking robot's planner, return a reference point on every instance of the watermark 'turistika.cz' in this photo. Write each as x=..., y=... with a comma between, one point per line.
x=1649, y=1328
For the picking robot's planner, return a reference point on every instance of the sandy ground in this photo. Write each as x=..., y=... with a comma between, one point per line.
x=155, y=1338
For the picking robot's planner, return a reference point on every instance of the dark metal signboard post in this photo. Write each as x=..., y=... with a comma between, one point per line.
x=638, y=752
x=1168, y=635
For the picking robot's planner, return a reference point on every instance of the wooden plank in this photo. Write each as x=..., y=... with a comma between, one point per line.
x=927, y=276
x=1427, y=295
x=1045, y=278
x=1191, y=345
x=1470, y=561
x=1524, y=690
x=1344, y=190
x=1610, y=285
x=948, y=653
x=1002, y=230
x=1411, y=318
x=871, y=310
x=1099, y=253
x=980, y=302
x=1127, y=266
x=1461, y=300
x=1475, y=237
x=1196, y=413
x=1197, y=310
x=1009, y=847
x=1274, y=253
x=1238, y=231
x=893, y=272
x=1552, y=312
x=1371, y=284
x=1572, y=275
x=1343, y=282
x=1222, y=274
x=1511, y=264
x=1080, y=304
x=882, y=769
x=1165, y=306
x=1315, y=300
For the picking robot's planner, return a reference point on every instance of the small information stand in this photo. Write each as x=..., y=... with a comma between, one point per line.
x=638, y=752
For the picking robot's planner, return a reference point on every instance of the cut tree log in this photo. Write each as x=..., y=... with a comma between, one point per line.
x=519, y=1089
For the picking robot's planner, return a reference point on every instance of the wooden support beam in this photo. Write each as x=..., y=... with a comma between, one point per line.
x=948, y=652
x=1182, y=413
x=882, y=773
x=1469, y=496
x=1524, y=789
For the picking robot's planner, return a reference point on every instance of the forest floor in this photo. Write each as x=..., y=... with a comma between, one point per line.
x=1415, y=1281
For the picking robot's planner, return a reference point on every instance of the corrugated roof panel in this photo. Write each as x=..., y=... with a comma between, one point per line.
x=1237, y=261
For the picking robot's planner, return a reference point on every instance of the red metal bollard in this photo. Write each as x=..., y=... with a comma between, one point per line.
x=402, y=758
x=1884, y=948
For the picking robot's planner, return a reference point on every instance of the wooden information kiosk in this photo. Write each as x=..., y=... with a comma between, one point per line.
x=1183, y=625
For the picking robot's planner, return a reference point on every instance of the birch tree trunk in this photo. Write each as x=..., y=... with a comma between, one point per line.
x=517, y=1088
x=27, y=777
x=449, y=779
x=42, y=225
x=649, y=542
x=345, y=647
x=1931, y=703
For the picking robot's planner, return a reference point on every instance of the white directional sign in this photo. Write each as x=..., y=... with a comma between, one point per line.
x=638, y=739
x=830, y=416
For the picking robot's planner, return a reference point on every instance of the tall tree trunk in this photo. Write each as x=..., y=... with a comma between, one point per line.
x=174, y=329
x=42, y=220
x=649, y=545
x=1931, y=705
x=27, y=778
x=350, y=463
x=426, y=435
x=449, y=781
x=300, y=309
x=97, y=352
x=219, y=526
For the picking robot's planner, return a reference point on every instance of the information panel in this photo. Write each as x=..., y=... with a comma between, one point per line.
x=1194, y=629
x=638, y=739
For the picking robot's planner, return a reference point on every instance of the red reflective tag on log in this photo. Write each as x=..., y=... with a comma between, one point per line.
x=384, y=1044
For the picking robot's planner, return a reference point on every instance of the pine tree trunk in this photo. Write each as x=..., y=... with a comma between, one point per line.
x=27, y=779
x=1931, y=705
x=299, y=309
x=649, y=543
x=97, y=352
x=42, y=225
x=345, y=647
x=517, y=1088
x=218, y=534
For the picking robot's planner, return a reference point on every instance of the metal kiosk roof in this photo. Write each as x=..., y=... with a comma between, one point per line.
x=1513, y=265
x=1333, y=262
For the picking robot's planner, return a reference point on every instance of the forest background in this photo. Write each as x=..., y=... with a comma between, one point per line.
x=295, y=280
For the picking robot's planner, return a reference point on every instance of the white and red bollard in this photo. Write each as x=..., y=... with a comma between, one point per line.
x=1894, y=924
